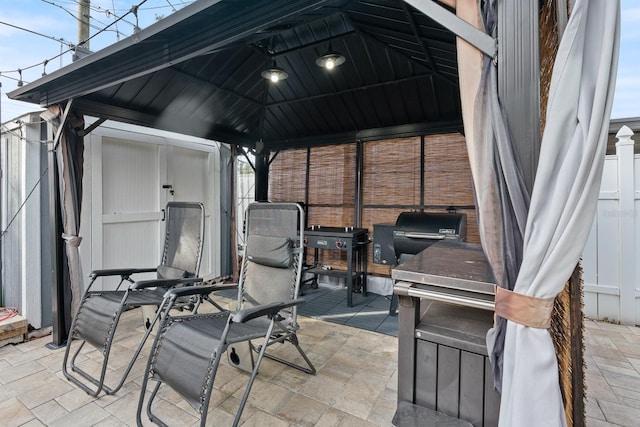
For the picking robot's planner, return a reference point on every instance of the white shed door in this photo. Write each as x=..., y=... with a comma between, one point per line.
x=138, y=179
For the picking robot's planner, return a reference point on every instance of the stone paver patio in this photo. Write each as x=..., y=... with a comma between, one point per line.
x=356, y=383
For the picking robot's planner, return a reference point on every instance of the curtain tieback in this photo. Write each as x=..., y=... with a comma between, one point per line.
x=72, y=240
x=524, y=309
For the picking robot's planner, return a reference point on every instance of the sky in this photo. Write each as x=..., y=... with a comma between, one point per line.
x=56, y=26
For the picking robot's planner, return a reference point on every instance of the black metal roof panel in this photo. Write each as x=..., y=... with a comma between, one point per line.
x=199, y=72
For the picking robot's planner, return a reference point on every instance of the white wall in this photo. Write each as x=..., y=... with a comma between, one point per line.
x=611, y=256
x=23, y=164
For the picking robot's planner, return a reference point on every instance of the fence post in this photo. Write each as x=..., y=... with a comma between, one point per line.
x=626, y=225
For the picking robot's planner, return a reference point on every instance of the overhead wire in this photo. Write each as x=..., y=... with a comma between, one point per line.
x=133, y=10
x=24, y=202
x=71, y=46
x=61, y=40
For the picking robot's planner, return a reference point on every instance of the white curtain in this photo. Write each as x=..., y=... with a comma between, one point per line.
x=563, y=203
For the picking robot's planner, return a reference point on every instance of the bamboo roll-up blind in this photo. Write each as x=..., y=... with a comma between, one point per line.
x=394, y=180
x=391, y=184
x=448, y=180
x=391, y=174
x=332, y=192
x=332, y=171
x=288, y=176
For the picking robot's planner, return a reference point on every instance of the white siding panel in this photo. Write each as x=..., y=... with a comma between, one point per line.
x=189, y=175
x=133, y=245
x=591, y=305
x=191, y=183
x=608, y=271
x=610, y=258
x=590, y=271
x=636, y=167
x=130, y=176
x=610, y=175
x=590, y=255
x=609, y=307
x=637, y=249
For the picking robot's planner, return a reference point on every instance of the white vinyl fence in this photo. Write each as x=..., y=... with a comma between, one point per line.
x=611, y=258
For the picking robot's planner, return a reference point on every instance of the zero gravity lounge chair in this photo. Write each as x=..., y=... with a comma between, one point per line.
x=187, y=350
x=98, y=313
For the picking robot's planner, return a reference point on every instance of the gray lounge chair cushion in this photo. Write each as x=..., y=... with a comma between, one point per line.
x=166, y=272
x=270, y=251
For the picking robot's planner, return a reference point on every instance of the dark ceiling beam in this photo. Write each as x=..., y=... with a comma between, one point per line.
x=404, y=38
x=416, y=33
x=392, y=132
x=374, y=16
x=312, y=44
x=422, y=62
x=175, y=124
x=184, y=77
x=345, y=91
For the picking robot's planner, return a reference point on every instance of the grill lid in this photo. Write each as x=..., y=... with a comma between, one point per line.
x=416, y=231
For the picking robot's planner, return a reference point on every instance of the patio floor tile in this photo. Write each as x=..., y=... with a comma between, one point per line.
x=355, y=385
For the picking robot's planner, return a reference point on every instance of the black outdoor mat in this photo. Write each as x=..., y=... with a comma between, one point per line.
x=329, y=303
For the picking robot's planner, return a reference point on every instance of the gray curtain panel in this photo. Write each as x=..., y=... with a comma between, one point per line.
x=563, y=203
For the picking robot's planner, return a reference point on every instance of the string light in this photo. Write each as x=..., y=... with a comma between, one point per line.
x=71, y=47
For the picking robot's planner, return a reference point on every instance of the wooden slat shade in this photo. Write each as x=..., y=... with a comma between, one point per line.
x=391, y=184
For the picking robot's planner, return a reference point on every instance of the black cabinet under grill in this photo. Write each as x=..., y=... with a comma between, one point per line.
x=446, y=297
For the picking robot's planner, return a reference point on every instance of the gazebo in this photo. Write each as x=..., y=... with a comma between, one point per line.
x=247, y=73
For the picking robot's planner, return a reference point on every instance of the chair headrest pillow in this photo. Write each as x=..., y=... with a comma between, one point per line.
x=270, y=251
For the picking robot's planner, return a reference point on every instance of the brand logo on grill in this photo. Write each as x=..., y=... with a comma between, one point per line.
x=447, y=231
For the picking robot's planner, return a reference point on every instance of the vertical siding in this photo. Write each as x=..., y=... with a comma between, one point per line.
x=189, y=174
x=11, y=243
x=130, y=176
x=610, y=257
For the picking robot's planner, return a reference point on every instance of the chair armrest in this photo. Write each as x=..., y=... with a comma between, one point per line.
x=270, y=309
x=198, y=290
x=120, y=272
x=212, y=280
x=165, y=283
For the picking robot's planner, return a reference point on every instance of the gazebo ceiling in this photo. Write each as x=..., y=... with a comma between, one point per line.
x=198, y=72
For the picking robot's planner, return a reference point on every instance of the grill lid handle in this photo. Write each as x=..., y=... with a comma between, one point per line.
x=429, y=236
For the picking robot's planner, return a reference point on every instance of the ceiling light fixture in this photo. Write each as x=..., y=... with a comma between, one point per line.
x=330, y=59
x=274, y=74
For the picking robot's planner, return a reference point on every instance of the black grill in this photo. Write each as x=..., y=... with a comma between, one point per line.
x=413, y=232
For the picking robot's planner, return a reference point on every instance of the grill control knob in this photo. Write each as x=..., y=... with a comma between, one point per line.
x=339, y=244
x=306, y=241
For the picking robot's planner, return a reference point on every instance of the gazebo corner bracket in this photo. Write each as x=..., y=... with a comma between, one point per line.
x=461, y=28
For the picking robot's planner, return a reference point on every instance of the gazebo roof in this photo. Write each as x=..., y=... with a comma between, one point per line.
x=198, y=72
